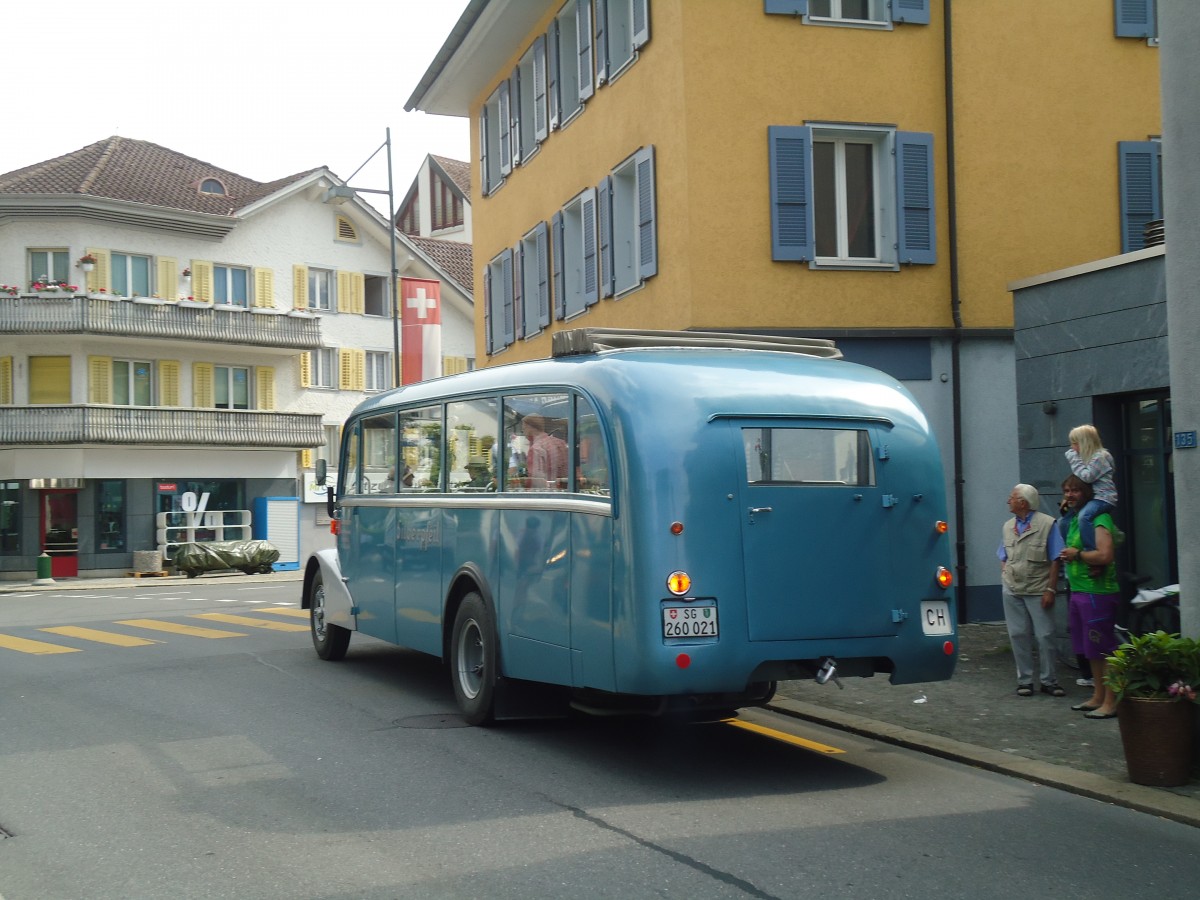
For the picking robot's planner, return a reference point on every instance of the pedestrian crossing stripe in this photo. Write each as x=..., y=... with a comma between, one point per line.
x=102, y=637
x=179, y=628
x=286, y=611
x=41, y=648
x=251, y=623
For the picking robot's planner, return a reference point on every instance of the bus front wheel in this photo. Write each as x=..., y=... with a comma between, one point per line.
x=329, y=640
x=473, y=660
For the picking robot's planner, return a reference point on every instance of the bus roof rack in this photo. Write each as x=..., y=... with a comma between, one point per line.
x=578, y=341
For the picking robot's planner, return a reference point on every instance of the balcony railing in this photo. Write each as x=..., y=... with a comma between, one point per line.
x=160, y=426
x=148, y=317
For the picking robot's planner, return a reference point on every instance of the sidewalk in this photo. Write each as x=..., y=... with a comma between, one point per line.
x=975, y=718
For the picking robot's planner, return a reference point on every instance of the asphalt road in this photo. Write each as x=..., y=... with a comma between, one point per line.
x=149, y=763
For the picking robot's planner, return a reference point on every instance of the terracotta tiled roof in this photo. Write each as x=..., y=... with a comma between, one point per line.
x=453, y=256
x=459, y=172
x=119, y=168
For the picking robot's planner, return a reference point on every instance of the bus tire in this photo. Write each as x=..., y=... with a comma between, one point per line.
x=329, y=640
x=473, y=660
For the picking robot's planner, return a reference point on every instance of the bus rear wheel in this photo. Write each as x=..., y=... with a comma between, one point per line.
x=473, y=660
x=329, y=640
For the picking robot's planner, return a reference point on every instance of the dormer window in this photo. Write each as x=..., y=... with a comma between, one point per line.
x=212, y=186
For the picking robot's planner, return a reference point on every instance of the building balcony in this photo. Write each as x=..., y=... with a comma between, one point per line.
x=146, y=317
x=158, y=426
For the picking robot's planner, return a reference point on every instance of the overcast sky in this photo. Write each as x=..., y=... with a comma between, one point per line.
x=263, y=88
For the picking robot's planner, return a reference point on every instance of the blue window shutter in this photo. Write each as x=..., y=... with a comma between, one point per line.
x=515, y=113
x=583, y=30
x=542, y=239
x=912, y=12
x=540, y=129
x=917, y=238
x=483, y=153
x=647, y=206
x=791, y=188
x=1141, y=190
x=1135, y=18
x=506, y=292
x=591, y=275
x=785, y=7
x=560, y=279
x=487, y=309
x=601, y=42
x=518, y=290
x=604, y=227
x=552, y=79
x=641, y=23
x=504, y=126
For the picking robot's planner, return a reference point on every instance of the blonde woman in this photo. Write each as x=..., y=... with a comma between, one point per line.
x=1091, y=463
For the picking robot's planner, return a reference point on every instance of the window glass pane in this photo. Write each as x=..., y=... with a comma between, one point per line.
x=349, y=476
x=10, y=517
x=379, y=455
x=120, y=274
x=421, y=449
x=824, y=199
x=472, y=445
x=220, y=284
x=591, y=454
x=140, y=275
x=120, y=382
x=239, y=293
x=241, y=388
x=860, y=200
x=535, y=432
x=808, y=456
x=142, y=384
x=221, y=386
x=110, y=516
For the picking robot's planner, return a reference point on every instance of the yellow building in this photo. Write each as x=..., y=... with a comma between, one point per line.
x=872, y=171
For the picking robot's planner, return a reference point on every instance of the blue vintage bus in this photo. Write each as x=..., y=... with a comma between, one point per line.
x=646, y=522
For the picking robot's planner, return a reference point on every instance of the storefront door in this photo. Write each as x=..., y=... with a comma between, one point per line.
x=60, y=531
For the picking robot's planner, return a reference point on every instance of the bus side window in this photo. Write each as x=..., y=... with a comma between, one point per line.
x=379, y=455
x=350, y=474
x=472, y=445
x=420, y=458
x=538, y=456
x=591, y=456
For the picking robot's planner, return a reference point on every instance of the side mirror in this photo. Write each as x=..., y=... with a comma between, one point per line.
x=321, y=472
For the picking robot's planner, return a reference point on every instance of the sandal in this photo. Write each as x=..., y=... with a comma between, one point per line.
x=1024, y=690
x=1083, y=707
x=1053, y=690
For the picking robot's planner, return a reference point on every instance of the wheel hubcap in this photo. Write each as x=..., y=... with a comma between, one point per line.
x=470, y=660
x=318, y=613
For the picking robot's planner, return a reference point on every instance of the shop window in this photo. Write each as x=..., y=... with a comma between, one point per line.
x=10, y=518
x=110, y=517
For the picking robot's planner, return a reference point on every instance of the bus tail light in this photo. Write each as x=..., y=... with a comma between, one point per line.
x=944, y=578
x=679, y=583
x=335, y=526
x=941, y=527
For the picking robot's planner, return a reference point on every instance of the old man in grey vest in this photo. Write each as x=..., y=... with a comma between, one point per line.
x=1028, y=553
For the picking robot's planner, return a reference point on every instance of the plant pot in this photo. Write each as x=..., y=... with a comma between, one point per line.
x=87, y=267
x=1157, y=737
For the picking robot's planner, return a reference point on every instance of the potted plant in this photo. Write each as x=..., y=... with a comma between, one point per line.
x=11, y=289
x=87, y=262
x=1155, y=677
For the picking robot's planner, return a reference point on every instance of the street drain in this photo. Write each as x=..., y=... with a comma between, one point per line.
x=438, y=720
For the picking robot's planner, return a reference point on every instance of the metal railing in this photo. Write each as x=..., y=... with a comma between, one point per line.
x=148, y=317
x=160, y=426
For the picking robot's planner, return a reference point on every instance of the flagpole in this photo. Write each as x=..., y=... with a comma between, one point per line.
x=395, y=271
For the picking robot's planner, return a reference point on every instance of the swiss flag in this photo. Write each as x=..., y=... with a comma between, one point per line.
x=420, y=329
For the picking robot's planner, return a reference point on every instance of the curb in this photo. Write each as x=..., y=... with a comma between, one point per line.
x=1156, y=802
x=91, y=584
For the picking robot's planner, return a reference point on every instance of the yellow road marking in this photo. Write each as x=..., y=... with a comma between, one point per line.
x=783, y=736
x=176, y=628
x=286, y=611
x=24, y=645
x=103, y=637
x=252, y=623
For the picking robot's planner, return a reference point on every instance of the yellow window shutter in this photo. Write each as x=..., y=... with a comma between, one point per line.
x=6, y=381
x=305, y=370
x=202, y=385
x=99, y=379
x=168, y=382
x=264, y=386
x=360, y=370
x=49, y=379
x=345, y=369
x=202, y=280
x=264, y=288
x=168, y=278
x=359, y=282
x=98, y=277
x=306, y=459
x=345, y=288
x=299, y=287
x=453, y=365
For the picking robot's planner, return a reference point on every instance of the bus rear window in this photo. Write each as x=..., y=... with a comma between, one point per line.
x=808, y=456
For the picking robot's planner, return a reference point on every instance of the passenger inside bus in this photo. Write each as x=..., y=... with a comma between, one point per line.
x=548, y=457
x=481, y=475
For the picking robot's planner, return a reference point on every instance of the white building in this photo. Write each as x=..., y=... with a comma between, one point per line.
x=225, y=329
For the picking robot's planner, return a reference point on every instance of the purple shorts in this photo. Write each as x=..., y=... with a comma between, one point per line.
x=1092, y=617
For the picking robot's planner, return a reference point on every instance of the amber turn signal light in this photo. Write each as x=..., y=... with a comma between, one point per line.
x=679, y=583
x=944, y=578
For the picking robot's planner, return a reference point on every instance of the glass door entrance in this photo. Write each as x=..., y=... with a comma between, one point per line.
x=60, y=532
